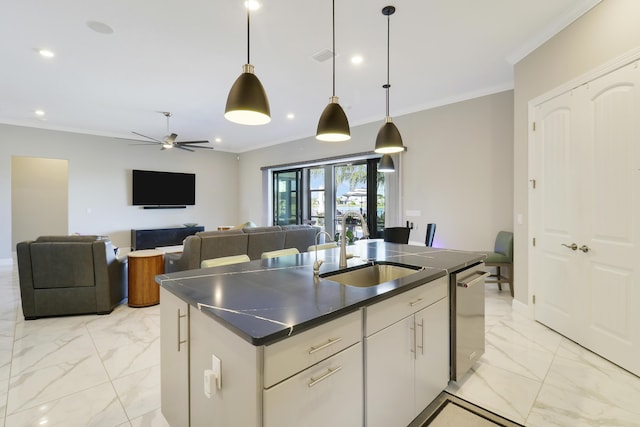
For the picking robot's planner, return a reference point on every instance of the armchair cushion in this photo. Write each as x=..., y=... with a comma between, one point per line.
x=60, y=272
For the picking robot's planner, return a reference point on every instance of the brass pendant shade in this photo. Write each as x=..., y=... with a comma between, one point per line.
x=386, y=164
x=388, y=139
x=333, y=125
x=247, y=103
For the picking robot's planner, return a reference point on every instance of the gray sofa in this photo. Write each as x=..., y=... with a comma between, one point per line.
x=251, y=241
x=67, y=275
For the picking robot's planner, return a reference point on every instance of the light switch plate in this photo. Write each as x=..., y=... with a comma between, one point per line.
x=213, y=375
x=216, y=367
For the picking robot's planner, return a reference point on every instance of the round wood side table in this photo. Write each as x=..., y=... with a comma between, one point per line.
x=144, y=265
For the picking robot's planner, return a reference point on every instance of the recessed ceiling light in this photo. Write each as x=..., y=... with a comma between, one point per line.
x=291, y=116
x=100, y=27
x=46, y=53
x=218, y=139
x=356, y=59
x=252, y=4
x=39, y=113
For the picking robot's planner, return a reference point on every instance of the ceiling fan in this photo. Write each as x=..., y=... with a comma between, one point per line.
x=169, y=141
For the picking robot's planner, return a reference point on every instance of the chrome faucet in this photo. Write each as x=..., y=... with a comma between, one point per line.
x=317, y=264
x=343, y=239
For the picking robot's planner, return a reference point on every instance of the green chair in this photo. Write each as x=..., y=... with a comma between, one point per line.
x=501, y=257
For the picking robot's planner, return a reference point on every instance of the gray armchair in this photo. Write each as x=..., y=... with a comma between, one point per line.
x=67, y=275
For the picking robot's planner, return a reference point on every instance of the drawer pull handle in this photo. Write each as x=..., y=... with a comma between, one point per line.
x=326, y=375
x=315, y=348
x=480, y=275
x=180, y=340
x=421, y=346
x=416, y=302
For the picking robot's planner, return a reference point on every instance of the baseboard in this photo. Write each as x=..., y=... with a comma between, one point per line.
x=523, y=309
x=6, y=261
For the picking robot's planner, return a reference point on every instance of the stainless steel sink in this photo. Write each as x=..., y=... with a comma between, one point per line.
x=370, y=274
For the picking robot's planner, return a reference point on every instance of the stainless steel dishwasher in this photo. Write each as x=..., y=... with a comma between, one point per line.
x=466, y=296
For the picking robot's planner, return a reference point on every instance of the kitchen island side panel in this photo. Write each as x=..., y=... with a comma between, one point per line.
x=239, y=400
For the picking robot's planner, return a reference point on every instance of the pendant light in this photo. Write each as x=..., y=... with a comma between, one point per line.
x=333, y=125
x=247, y=103
x=386, y=164
x=388, y=139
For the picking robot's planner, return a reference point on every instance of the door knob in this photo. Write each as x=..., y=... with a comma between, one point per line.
x=584, y=248
x=572, y=246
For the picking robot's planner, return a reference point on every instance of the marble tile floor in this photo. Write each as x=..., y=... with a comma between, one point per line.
x=105, y=370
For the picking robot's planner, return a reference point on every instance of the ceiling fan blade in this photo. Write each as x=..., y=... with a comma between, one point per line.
x=148, y=137
x=136, y=140
x=197, y=146
x=182, y=148
x=169, y=139
x=192, y=142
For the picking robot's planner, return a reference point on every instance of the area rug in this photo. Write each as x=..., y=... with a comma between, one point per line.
x=448, y=410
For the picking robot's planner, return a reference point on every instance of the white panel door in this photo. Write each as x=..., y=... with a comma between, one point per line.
x=556, y=212
x=588, y=194
x=610, y=189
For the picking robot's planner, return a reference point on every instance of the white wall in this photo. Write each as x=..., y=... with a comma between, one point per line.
x=100, y=183
x=457, y=171
x=607, y=31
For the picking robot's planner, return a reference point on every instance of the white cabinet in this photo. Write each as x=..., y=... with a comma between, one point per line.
x=328, y=393
x=174, y=358
x=406, y=362
x=294, y=354
x=432, y=353
x=314, y=379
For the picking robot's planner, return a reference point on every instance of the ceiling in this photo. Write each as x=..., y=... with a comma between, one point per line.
x=182, y=56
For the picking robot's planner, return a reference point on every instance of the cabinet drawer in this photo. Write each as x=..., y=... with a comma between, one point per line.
x=385, y=313
x=291, y=355
x=326, y=394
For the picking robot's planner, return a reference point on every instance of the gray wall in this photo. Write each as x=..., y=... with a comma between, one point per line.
x=457, y=171
x=607, y=31
x=44, y=182
x=100, y=183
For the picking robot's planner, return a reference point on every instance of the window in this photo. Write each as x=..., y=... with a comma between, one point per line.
x=286, y=192
x=320, y=194
x=316, y=196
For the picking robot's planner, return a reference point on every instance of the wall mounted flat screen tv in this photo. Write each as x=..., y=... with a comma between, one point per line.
x=153, y=188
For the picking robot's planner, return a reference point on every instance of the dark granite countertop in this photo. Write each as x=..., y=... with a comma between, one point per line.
x=264, y=301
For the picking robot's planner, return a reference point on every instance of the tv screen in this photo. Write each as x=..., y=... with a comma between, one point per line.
x=152, y=188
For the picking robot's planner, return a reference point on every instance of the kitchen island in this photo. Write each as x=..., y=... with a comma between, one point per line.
x=266, y=343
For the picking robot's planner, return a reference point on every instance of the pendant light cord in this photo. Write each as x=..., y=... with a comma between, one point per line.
x=333, y=35
x=387, y=86
x=248, y=35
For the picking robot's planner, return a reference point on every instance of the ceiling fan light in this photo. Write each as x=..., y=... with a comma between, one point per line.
x=333, y=125
x=389, y=140
x=247, y=103
x=386, y=164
